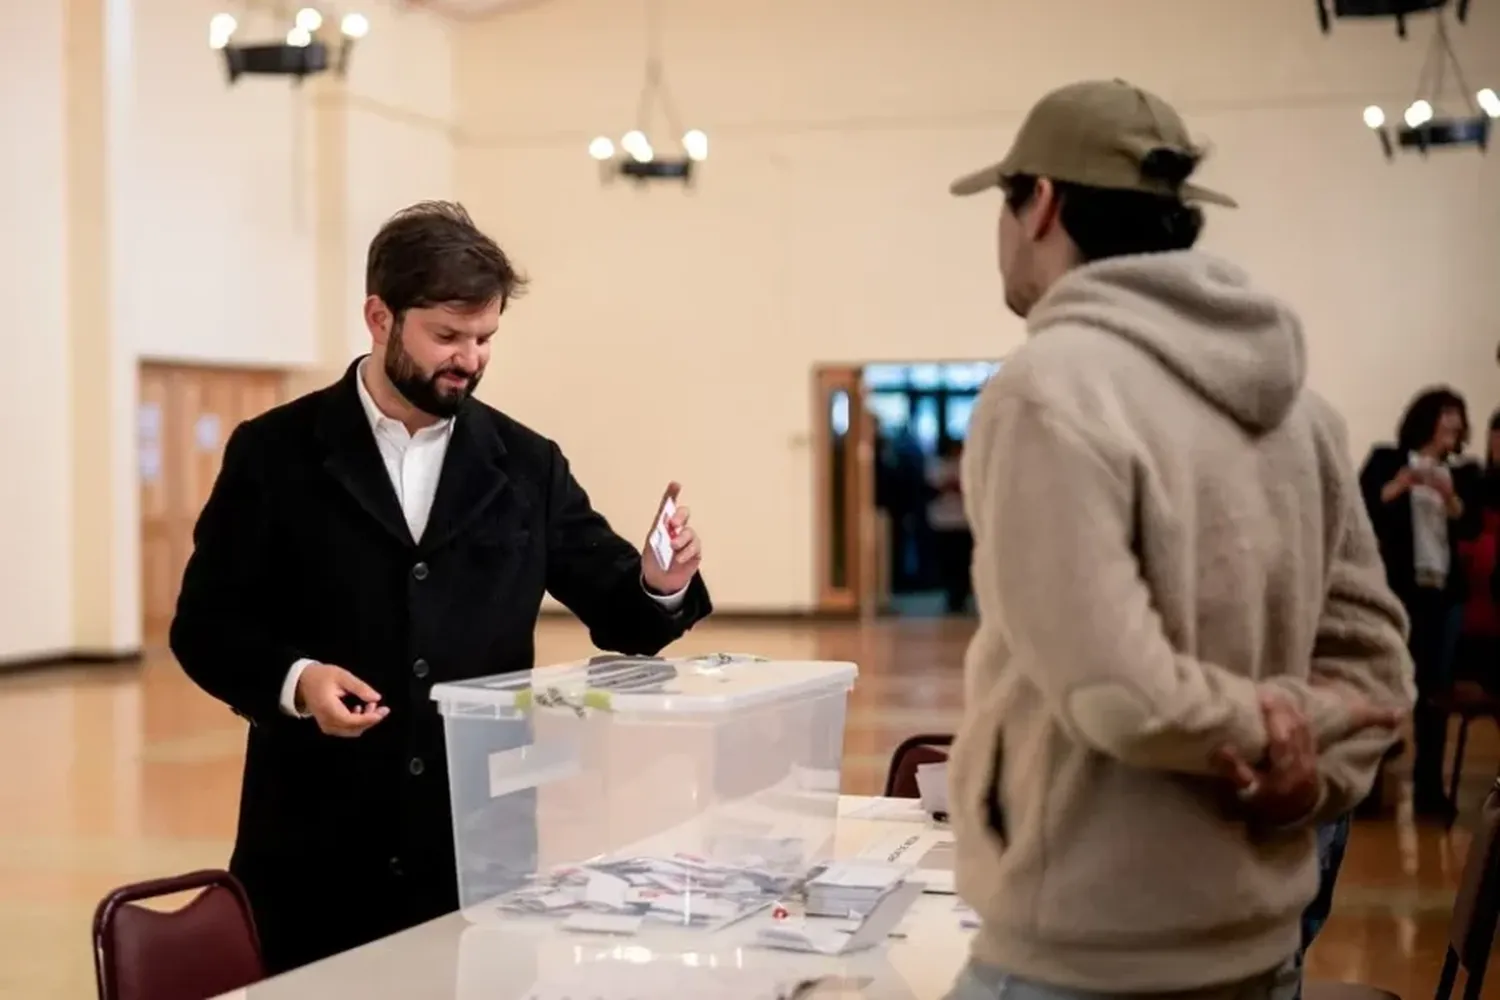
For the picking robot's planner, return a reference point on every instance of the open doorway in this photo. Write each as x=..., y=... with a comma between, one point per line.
x=892, y=534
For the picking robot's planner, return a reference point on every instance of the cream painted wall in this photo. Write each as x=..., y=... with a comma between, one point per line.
x=213, y=199
x=672, y=333
x=209, y=224
x=35, y=517
x=399, y=138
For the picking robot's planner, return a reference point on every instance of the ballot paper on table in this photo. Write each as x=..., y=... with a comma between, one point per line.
x=682, y=890
x=888, y=810
x=927, y=851
x=932, y=787
x=852, y=887
x=842, y=937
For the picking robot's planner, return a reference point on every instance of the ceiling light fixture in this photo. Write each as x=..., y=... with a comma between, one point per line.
x=1424, y=125
x=636, y=155
x=1397, y=10
x=305, y=51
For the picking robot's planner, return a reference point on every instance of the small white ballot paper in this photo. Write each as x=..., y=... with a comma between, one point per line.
x=661, y=537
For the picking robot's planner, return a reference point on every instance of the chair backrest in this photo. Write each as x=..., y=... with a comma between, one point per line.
x=1476, y=907
x=901, y=779
x=207, y=947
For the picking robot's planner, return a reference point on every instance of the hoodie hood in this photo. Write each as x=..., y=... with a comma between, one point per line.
x=1199, y=317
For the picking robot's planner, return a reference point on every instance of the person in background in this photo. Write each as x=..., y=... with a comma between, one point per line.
x=1478, y=657
x=1422, y=502
x=902, y=490
x=1188, y=657
x=950, y=526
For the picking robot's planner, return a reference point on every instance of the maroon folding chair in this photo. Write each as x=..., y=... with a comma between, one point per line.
x=901, y=779
x=206, y=947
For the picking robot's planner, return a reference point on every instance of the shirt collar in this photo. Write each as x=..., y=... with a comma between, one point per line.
x=379, y=420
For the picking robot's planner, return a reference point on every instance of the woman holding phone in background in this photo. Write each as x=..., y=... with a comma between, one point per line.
x=1422, y=498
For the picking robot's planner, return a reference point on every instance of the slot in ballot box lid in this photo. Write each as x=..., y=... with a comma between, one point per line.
x=718, y=682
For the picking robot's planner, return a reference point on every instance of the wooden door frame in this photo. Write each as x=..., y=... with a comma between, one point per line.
x=860, y=595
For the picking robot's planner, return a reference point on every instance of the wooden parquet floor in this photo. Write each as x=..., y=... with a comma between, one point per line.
x=115, y=774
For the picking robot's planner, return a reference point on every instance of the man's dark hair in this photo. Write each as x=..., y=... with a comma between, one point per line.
x=432, y=254
x=1419, y=423
x=1105, y=222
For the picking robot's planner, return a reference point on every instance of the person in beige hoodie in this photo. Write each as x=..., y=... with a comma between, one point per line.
x=1187, y=655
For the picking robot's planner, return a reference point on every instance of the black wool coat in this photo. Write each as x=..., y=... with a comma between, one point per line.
x=302, y=551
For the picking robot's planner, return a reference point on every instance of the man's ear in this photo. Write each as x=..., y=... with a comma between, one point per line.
x=1045, y=206
x=378, y=319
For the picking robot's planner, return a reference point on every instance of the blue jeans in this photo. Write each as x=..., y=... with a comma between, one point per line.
x=1332, y=839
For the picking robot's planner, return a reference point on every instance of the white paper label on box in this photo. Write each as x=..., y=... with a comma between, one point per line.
x=531, y=767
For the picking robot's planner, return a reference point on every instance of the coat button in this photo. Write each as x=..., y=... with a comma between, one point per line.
x=419, y=571
x=416, y=766
x=419, y=668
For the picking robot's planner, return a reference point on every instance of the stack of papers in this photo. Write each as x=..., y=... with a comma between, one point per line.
x=615, y=897
x=852, y=888
x=927, y=851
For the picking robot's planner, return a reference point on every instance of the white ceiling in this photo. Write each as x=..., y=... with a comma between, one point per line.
x=468, y=10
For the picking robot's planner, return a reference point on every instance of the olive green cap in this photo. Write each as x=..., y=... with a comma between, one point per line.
x=1097, y=133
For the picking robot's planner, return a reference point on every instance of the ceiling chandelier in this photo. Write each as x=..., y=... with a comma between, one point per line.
x=315, y=42
x=637, y=156
x=1426, y=124
x=1397, y=10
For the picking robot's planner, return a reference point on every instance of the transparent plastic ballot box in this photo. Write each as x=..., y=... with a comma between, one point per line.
x=688, y=776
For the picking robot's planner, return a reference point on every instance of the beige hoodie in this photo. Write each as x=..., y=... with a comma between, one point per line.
x=1164, y=518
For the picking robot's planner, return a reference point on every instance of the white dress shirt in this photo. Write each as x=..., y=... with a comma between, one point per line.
x=1429, y=515
x=414, y=462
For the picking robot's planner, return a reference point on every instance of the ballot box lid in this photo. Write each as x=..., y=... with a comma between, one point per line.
x=717, y=682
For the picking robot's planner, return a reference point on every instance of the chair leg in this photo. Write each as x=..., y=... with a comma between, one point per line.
x=1458, y=760
x=1449, y=975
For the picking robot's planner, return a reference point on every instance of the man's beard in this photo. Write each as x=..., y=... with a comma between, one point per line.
x=424, y=391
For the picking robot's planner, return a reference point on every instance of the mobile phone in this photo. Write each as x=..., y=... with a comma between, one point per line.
x=661, y=535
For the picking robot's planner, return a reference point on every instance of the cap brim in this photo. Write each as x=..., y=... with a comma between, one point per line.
x=1193, y=192
x=993, y=175
x=979, y=180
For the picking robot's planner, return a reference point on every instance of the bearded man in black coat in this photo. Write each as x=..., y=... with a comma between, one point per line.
x=369, y=540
